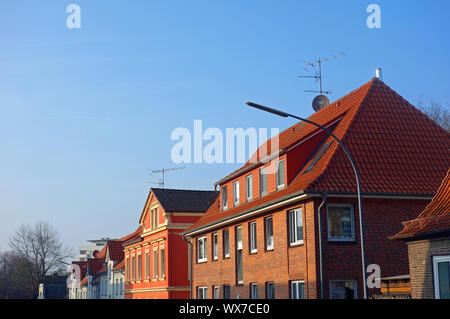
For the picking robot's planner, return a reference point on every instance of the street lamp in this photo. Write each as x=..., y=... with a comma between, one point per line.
x=355, y=170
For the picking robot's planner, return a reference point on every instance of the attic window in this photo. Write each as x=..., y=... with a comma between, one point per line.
x=317, y=157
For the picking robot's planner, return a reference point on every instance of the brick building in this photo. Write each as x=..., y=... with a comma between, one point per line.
x=428, y=240
x=260, y=238
x=156, y=262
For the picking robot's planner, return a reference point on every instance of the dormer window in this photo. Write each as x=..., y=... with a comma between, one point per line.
x=263, y=181
x=249, y=188
x=236, y=193
x=224, y=198
x=280, y=174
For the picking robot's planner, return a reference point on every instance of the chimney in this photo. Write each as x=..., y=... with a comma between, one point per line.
x=379, y=74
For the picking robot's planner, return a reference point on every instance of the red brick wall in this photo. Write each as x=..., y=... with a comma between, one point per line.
x=341, y=260
x=421, y=254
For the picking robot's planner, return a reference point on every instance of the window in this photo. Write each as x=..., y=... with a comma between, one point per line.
x=154, y=218
x=215, y=248
x=254, y=291
x=224, y=198
x=343, y=289
x=252, y=233
x=280, y=174
x=269, y=233
x=139, y=264
x=127, y=269
x=215, y=292
x=133, y=268
x=249, y=188
x=298, y=289
x=162, y=267
x=263, y=181
x=121, y=286
x=317, y=157
x=239, y=266
x=270, y=290
x=236, y=193
x=202, y=292
x=147, y=265
x=226, y=291
x=226, y=243
x=201, y=250
x=295, y=227
x=340, y=223
x=441, y=271
x=116, y=287
x=155, y=263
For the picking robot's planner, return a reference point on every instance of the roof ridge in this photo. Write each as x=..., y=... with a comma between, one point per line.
x=186, y=190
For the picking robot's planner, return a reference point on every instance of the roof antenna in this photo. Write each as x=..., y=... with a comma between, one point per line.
x=320, y=101
x=163, y=170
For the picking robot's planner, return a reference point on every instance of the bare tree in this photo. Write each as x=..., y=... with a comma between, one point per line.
x=436, y=112
x=41, y=249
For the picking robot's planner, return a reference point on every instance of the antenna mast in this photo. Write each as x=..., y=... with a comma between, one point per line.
x=162, y=171
x=318, y=75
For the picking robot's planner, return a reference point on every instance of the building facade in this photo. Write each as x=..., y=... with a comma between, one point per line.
x=428, y=241
x=286, y=224
x=156, y=263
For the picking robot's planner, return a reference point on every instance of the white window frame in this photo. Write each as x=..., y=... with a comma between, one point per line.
x=224, y=200
x=297, y=283
x=215, y=248
x=215, y=292
x=249, y=187
x=254, y=290
x=261, y=193
x=278, y=173
x=436, y=260
x=226, y=243
x=239, y=250
x=202, y=257
x=202, y=292
x=253, y=237
x=236, y=193
x=293, y=234
x=355, y=286
x=269, y=246
x=352, y=218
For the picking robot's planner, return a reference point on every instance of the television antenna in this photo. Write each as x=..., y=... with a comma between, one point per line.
x=162, y=171
x=321, y=100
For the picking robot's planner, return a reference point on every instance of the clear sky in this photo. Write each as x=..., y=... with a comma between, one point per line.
x=85, y=113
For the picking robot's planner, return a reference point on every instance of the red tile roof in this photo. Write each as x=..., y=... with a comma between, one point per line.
x=115, y=250
x=397, y=149
x=94, y=265
x=435, y=217
x=120, y=265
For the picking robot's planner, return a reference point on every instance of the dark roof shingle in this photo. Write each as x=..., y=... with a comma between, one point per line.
x=178, y=200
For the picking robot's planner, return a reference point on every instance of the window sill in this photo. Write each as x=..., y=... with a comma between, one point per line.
x=253, y=252
x=202, y=261
x=226, y=257
x=269, y=249
x=215, y=259
x=300, y=243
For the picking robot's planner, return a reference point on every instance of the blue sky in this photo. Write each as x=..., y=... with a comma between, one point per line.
x=85, y=113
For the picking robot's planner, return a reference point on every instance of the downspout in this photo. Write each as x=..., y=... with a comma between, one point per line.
x=190, y=266
x=319, y=223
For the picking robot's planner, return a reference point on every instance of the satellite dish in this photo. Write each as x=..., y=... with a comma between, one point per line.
x=319, y=102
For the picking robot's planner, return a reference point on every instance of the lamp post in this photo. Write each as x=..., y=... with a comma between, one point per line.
x=355, y=170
